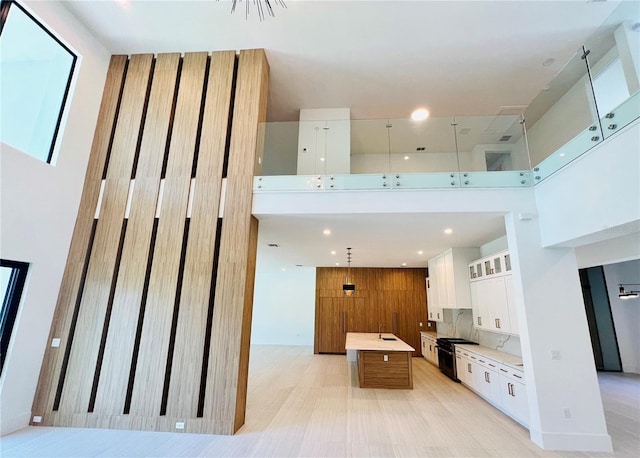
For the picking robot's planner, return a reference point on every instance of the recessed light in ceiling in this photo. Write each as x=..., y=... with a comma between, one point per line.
x=404, y=264
x=327, y=232
x=420, y=252
x=406, y=158
x=448, y=231
x=321, y=159
x=333, y=252
x=548, y=62
x=337, y=263
x=284, y=270
x=420, y=114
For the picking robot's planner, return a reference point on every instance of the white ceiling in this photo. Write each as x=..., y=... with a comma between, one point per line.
x=376, y=240
x=382, y=59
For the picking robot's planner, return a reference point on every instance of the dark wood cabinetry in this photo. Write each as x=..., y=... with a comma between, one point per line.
x=393, y=298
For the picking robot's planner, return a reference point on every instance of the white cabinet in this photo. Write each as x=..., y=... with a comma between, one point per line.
x=513, y=394
x=429, y=350
x=500, y=384
x=448, y=285
x=491, y=287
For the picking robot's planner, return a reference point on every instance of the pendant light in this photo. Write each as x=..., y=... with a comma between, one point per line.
x=348, y=287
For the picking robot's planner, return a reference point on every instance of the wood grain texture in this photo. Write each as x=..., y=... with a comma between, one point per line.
x=227, y=366
x=393, y=298
x=52, y=362
x=194, y=301
x=114, y=376
x=86, y=341
x=375, y=372
x=156, y=328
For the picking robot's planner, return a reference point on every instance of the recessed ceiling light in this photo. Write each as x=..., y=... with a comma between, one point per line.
x=337, y=263
x=404, y=264
x=333, y=252
x=406, y=158
x=420, y=114
x=548, y=62
x=420, y=252
x=321, y=159
x=561, y=154
x=448, y=231
x=327, y=232
x=284, y=270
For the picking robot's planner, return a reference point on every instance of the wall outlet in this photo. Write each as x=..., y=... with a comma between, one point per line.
x=567, y=412
x=500, y=341
x=55, y=342
x=37, y=419
x=421, y=324
x=180, y=425
x=386, y=357
x=428, y=325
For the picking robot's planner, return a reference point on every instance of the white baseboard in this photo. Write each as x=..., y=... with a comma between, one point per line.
x=572, y=441
x=9, y=425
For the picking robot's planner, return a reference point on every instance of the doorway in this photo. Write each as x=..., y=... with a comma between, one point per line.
x=600, y=320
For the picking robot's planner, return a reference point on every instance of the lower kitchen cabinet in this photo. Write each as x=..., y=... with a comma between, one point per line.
x=428, y=347
x=498, y=383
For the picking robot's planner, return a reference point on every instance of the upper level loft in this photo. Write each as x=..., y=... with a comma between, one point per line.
x=594, y=96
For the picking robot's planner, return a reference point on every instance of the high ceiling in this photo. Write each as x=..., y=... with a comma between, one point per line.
x=381, y=59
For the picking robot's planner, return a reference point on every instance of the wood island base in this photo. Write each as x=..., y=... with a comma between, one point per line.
x=380, y=369
x=383, y=360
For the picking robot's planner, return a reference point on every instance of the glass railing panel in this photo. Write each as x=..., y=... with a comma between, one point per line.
x=564, y=110
x=403, y=146
x=491, y=143
x=280, y=148
x=627, y=112
x=614, y=61
x=504, y=179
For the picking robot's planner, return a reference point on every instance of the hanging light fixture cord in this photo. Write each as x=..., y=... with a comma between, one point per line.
x=261, y=5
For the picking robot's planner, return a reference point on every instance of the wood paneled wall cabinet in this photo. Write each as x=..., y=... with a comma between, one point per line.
x=154, y=312
x=393, y=298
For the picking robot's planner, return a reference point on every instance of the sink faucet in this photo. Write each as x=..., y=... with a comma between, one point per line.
x=380, y=331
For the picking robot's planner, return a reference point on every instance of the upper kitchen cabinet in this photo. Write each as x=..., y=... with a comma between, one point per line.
x=492, y=299
x=448, y=282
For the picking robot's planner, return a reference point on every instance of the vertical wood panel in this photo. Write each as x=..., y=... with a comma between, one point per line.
x=86, y=343
x=52, y=362
x=186, y=370
x=228, y=368
x=119, y=345
x=156, y=328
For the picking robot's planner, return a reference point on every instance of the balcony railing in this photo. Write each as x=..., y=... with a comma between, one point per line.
x=595, y=96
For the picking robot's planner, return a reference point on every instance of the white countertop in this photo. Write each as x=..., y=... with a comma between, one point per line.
x=499, y=356
x=370, y=341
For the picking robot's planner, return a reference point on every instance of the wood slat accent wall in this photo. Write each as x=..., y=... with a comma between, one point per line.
x=395, y=298
x=228, y=361
x=72, y=278
x=155, y=312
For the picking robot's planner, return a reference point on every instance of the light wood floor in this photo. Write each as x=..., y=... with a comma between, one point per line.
x=300, y=404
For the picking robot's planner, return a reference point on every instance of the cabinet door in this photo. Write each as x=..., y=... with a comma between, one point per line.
x=511, y=306
x=513, y=399
x=489, y=381
x=498, y=317
x=441, y=280
x=332, y=326
x=449, y=280
x=424, y=347
x=479, y=303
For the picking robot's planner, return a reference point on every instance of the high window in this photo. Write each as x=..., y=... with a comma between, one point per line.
x=36, y=70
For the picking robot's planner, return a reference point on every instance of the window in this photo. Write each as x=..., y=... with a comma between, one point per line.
x=12, y=277
x=36, y=70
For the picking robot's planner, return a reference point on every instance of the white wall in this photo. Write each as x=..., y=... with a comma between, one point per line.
x=283, y=305
x=596, y=196
x=626, y=313
x=618, y=249
x=39, y=203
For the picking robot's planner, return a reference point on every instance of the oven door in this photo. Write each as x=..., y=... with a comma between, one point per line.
x=447, y=362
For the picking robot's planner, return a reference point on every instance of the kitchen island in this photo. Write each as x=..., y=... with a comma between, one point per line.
x=383, y=360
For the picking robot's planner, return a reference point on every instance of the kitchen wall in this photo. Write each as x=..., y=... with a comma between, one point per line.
x=626, y=313
x=283, y=304
x=39, y=205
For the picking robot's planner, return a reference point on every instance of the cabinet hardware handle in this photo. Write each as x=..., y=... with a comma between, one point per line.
x=513, y=390
x=469, y=367
x=438, y=315
x=509, y=389
x=497, y=322
x=503, y=370
x=517, y=376
x=486, y=379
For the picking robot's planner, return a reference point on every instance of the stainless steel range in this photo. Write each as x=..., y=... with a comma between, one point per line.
x=447, y=355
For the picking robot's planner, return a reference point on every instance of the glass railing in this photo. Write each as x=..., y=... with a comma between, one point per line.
x=594, y=96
